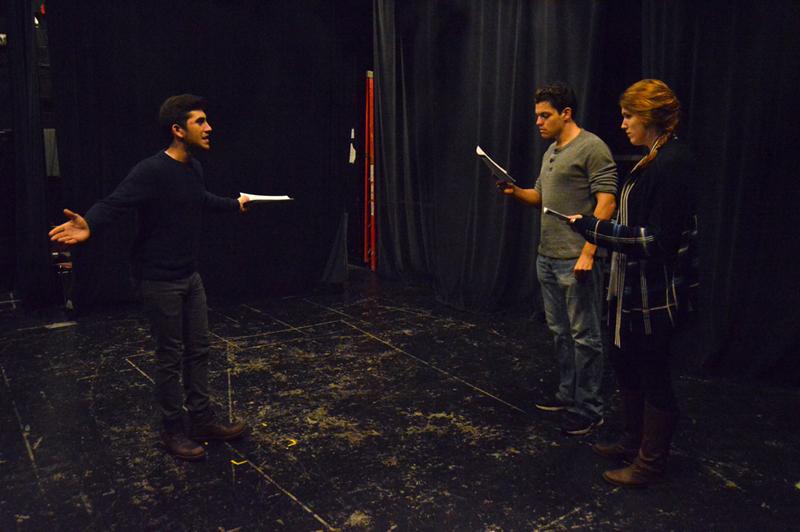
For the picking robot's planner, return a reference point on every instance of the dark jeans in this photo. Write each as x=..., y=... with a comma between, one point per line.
x=643, y=365
x=179, y=321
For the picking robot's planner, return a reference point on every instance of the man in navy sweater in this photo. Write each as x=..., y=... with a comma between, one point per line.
x=168, y=193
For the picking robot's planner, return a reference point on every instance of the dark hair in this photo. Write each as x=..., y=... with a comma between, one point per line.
x=176, y=109
x=559, y=95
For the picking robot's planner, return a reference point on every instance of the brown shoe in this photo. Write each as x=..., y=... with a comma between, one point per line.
x=636, y=475
x=627, y=446
x=650, y=464
x=179, y=446
x=207, y=427
x=624, y=449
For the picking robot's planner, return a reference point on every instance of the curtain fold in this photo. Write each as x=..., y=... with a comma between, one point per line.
x=35, y=276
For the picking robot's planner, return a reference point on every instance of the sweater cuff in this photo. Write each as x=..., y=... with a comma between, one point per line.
x=584, y=224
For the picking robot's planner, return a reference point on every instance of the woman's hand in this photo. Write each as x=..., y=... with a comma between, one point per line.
x=243, y=201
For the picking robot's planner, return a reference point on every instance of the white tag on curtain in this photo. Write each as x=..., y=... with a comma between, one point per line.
x=352, y=159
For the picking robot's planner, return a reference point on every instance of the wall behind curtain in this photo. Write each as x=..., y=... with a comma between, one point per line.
x=459, y=73
x=452, y=75
x=278, y=80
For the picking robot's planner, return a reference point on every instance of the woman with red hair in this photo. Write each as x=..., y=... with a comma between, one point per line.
x=648, y=282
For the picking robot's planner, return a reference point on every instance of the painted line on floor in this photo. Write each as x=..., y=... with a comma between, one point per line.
x=224, y=315
x=229, y=342
x=286, y=492
x=443, y=372
x=137, y=368
x=142, y=354
x=242, y=457
x=230, y=397
x=290, y=327
x=299, y=328
x=259, y=343
x=273, y=318
x=408, y=311
x=715, y=465
x=551, y=524
x=60, y=325
x=22, y=431
x=12, y=300
x=728, y=483
x=380, y=306
x=326, y=307
x=19, y=422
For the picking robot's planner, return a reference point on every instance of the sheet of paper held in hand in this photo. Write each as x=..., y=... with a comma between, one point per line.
x=496, y=169
x=557, y=214
x=257, y=198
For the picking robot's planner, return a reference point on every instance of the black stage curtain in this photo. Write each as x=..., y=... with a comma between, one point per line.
x=451, y=75
x=738, y=70
x=281, y=86
x=35, y=278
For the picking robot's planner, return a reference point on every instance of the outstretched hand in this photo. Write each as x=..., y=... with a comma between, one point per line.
x=71, y=232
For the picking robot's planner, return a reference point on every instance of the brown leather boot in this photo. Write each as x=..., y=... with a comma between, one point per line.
x=178, y=445
x=649, y=465
x=206, y=426
x=626, y=447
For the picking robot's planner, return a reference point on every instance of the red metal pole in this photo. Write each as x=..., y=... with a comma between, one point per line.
x=373, y=235
x=366, y=170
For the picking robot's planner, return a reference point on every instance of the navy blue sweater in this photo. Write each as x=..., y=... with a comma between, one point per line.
x=169, y=198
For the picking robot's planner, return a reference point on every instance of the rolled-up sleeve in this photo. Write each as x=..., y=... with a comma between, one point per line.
x=602, y=170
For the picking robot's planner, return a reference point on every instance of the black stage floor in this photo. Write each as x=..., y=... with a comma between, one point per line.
x=373, y=408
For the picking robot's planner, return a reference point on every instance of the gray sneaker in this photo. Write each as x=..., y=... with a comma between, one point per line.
x=555, y=405
x=578, y=425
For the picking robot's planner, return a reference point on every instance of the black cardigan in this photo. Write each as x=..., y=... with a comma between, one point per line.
x=652, y=238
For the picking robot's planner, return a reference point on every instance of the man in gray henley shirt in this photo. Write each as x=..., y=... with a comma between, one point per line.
x=578, y=175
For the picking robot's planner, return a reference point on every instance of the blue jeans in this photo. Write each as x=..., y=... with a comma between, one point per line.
x=572, y=308
x=179, y=321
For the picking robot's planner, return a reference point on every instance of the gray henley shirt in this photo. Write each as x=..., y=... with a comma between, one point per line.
x=568, y=181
